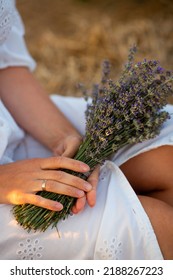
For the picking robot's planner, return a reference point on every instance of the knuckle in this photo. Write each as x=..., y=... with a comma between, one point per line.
x=17, y=198
x=74, y=192
x=36, y=161
x=76, y=181
x=60, y=175
x=59, y=161
x=51, y=185
x=42, y=163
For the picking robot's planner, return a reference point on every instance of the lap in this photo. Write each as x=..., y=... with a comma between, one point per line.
x=116, y=228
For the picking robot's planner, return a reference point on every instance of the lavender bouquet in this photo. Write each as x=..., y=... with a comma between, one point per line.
x=127, y=111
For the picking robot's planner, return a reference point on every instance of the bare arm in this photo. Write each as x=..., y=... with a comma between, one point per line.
x=32, y=109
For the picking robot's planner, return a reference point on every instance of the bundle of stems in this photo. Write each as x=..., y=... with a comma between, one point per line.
x=127, y=111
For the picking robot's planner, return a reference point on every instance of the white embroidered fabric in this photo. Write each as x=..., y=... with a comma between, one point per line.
x=6, y=19
x=29, y=249
x=13, y=51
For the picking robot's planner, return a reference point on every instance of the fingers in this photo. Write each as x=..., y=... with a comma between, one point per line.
x=93, y=180
x=62, y=183
x=61, y=188
x=56, y=179
x=80, y=204
x=63, y=162
x=22, y=198
x=90, y=196
x=71, y=149
x=22, y=184
x=69, y=146
x=43, y=202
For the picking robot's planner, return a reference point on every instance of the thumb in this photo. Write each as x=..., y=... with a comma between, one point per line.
x=59, y=150
x=72, y=146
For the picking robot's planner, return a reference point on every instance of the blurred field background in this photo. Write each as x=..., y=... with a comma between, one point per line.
x=69, y=39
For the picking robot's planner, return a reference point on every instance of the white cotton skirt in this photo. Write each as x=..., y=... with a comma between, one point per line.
x=116, y=228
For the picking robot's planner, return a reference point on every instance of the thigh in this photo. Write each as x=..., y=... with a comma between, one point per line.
x=161, y=217
x=150, y=173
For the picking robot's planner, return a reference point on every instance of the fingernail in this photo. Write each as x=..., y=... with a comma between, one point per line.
x=80, y=193
x=58, y=206
x=87, y=186
x=85, y=167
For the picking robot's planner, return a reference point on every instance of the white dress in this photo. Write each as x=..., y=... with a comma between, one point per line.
x=13, y=50
x=116, y=228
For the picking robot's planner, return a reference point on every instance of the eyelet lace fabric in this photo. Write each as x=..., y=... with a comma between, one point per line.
x=30, y=249
x=6, y=19
x=111, y=249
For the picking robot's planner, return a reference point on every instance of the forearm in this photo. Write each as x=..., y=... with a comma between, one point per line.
x=32, y=108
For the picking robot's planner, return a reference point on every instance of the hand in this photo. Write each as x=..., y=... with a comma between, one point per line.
x=68, y=147
x=90, y=196
x=20, y=181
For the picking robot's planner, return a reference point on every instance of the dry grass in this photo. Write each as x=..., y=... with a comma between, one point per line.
x=69, y=39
